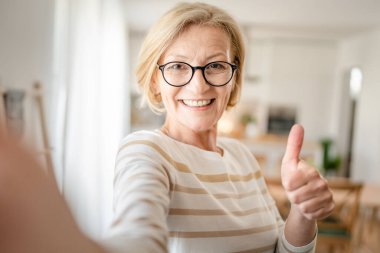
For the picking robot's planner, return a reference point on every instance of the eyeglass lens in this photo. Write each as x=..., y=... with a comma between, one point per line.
x=180, y=73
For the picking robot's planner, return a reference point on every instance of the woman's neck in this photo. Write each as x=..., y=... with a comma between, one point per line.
x=203, y=139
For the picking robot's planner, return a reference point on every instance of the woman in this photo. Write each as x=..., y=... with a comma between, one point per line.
x=178, y=188
x=183, y=189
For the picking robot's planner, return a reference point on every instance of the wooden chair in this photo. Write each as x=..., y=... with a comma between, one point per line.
x=336, y=231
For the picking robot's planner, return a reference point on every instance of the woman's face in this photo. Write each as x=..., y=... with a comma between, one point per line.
x=196, y=106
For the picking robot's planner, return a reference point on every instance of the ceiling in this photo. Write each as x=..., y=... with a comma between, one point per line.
x=323, y=18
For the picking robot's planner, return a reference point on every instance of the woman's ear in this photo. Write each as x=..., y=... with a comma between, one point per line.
x=155, y=86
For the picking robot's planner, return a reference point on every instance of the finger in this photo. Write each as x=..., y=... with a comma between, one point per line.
x=294, y=145
x=323, y=202
x=300, y=176
x=309, y=191
x=320, y=213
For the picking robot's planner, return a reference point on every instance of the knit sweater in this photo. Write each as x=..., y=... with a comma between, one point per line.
x=173, y=197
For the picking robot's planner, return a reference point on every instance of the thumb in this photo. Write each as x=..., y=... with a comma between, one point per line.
x=293, y=147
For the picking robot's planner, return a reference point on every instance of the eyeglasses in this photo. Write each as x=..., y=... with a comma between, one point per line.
x=179, y=74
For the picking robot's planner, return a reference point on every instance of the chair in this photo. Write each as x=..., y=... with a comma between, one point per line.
x=336, y=231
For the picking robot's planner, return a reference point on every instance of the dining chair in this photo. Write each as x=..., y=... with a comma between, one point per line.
x=336, y=232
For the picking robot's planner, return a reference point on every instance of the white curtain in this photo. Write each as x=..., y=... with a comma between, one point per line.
x=90, y=105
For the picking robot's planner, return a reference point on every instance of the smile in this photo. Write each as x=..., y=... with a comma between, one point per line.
x=197, y=103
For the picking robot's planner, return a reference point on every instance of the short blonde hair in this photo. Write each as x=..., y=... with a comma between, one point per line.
x=168, y=27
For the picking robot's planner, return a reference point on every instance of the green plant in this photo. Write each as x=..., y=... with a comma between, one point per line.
x=330, y=163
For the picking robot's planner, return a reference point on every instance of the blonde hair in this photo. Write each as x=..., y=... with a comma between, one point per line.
x=168, y=27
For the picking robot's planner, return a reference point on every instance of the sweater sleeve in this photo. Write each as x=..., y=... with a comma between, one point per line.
x=283, y=246
x=141, y=200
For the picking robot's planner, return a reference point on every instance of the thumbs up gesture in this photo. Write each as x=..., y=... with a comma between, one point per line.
x=306, y=189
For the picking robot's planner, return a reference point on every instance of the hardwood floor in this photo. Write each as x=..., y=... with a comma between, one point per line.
x=367, y=236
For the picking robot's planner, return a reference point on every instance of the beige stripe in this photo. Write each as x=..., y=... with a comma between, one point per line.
x=223, y=177
x=162, y=245
x=147, y=222
x=228, y=233
x=179, y=166
x=164, y=170
x=259, y=250
x=150, y=176
x=192, y=190
x=211, y=212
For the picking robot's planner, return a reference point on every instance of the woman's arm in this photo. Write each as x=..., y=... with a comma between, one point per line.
x=141, y=200
x=34, y=217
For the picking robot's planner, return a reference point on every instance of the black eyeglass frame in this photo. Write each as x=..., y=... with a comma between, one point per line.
x=194, y=68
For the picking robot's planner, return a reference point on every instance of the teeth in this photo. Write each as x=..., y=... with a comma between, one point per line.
x=190, y=102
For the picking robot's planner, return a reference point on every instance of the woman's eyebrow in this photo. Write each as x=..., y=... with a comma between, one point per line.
x=177, y=56
x=182, y=57
x=216, y=55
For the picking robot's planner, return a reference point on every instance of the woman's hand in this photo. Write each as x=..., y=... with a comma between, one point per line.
x=308, y=192
x=34, y=217
x=306, y=189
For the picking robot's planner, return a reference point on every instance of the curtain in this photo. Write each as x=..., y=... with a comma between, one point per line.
x=89, y=105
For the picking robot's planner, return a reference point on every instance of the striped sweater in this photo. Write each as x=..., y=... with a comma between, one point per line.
x=173, y=197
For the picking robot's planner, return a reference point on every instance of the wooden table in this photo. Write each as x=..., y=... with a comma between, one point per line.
x=370, y=198
x=272, y=149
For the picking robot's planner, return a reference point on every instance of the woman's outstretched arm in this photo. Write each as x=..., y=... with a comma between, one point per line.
x=34, y=217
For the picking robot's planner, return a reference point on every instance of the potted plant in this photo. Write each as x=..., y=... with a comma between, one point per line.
x=330, y=163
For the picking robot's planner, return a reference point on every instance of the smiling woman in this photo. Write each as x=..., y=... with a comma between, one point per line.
x=180, y=188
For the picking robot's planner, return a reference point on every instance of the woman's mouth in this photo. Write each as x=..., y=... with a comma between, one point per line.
x=198, y=103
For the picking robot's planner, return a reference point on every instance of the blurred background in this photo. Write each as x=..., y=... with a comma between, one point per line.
x=312, y=62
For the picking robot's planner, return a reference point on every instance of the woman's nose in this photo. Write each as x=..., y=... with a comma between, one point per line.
x=198, y=82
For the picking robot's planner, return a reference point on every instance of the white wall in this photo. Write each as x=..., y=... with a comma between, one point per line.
x=364, y=52
x=303, y=75
x=297, y=72
x=26, y=45
x=26, y=41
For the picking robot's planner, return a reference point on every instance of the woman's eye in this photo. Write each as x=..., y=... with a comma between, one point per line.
x=216, y=65
x=176, y=66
